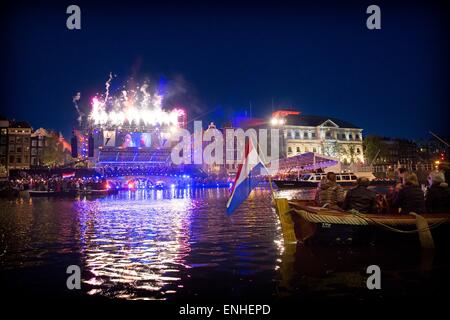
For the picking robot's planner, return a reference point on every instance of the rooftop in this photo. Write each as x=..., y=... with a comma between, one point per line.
x=314, y=121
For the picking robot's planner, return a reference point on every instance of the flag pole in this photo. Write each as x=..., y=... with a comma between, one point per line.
x=270, y=176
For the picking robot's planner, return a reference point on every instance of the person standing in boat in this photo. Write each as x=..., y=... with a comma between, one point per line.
x=410, y=197
x=360, y=198
x=437, y=199
x=329, y=192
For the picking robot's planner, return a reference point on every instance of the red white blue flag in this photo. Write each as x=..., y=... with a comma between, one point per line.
x=247, y=178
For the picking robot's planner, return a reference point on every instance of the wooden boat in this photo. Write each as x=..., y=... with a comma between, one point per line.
x=305, y=223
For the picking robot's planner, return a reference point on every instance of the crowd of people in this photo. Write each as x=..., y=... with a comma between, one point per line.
x=55, y=183
x=407, y=196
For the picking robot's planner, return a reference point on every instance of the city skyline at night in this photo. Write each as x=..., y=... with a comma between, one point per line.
x=311, y=58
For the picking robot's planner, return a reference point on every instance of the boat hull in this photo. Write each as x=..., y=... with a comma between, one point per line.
x=314, y=225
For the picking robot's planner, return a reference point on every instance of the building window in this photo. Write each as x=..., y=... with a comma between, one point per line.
x=26, y=159
x=12, y=140
x=313, y=135
x=18, y=159
x=12, y=148
x=26, y=140
x=289, y=150
x=358, y=151
x=40, y=143
x=18, y=148
x=350, y=137
x=11, y=159
x=305, y=135
x=19, y=140
x=314, y=150
x=328, y=135
x=33, y=143
x=298, y=149
x=33, y=151
x=357, y=137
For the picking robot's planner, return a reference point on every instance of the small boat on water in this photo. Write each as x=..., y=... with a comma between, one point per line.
x=98, y=192
x=52, y=193
x=311, y=180
x=303, y=222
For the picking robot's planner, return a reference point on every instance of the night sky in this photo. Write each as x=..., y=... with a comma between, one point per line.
x=316, y=58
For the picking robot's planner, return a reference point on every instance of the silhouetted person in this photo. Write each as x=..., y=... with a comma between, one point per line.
x=410, y=197
x=360, y=198
x=329, y=192
x=437, y=199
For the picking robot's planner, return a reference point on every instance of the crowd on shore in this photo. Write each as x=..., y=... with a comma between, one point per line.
x=54, y=183
x=407, y=195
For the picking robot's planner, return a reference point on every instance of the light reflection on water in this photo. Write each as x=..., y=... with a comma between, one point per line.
x=136, y=244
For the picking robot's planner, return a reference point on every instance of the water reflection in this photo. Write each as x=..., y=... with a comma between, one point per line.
x=133, y=246
x=180, y=244
x=148, y=245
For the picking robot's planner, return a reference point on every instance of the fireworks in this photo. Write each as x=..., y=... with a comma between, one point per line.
x=135, y=107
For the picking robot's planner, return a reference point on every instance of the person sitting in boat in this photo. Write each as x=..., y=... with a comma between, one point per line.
x=410, y=197
x=360, y=198
x=437, y=199
x=401, y=173
x=329, y=193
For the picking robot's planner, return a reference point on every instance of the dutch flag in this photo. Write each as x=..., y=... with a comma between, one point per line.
x=247, y=178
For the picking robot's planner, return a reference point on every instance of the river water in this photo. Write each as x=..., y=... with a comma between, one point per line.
x=176, y=245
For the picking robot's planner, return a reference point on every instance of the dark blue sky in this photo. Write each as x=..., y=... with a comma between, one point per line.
x=317, y=58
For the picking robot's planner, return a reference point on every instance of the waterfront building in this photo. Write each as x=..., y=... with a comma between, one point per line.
x=19, y=135
x=4, y=124
x=322, y=135
x=39, y=141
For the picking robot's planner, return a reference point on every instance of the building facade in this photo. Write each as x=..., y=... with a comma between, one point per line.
x=19, y=136
x=39, y=142
x=323, y=135
x=4, y=124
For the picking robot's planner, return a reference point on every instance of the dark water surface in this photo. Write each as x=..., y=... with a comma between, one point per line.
x=176, y=245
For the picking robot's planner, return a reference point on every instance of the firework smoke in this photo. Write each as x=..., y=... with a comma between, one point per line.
x=107, y=85
x=75, y=100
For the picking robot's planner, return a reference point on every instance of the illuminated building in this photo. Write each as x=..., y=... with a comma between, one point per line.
x=4, y=124
x=19, y=134
x=323, y=135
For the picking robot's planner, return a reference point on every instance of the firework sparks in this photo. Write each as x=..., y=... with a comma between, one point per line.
x=133, y=107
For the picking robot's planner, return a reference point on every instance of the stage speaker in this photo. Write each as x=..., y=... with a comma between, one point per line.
x=90, y=146
x=74, y=144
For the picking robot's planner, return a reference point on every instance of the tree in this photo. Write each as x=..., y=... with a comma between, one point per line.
x=372, y=146
x=349, y=154
x=55, y=152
